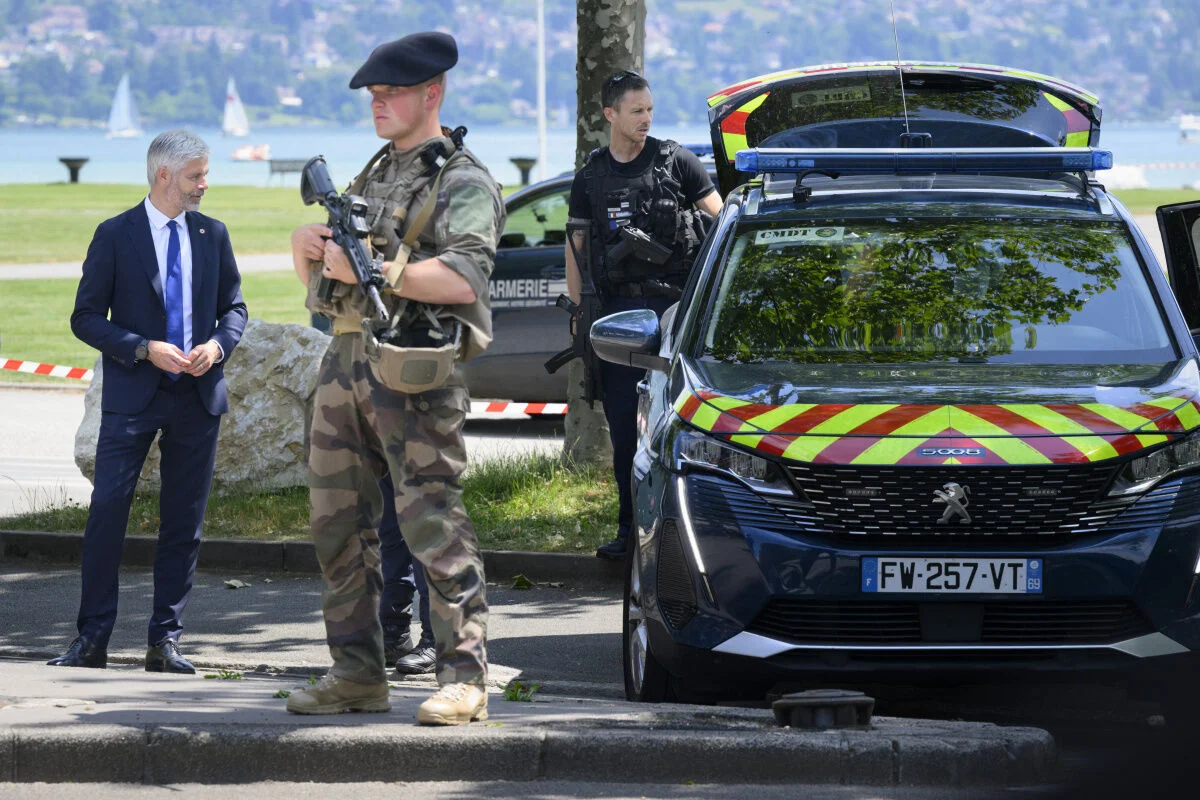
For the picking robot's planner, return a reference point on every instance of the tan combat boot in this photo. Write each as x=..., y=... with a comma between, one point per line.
x=334, y=695
x=454, y=704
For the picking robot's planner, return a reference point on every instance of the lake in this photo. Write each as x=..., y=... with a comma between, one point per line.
x=33, y=153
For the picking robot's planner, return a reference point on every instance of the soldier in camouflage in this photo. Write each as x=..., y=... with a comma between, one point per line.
x=362, y=429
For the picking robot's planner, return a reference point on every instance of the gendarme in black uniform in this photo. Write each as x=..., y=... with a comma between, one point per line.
x=655, y=193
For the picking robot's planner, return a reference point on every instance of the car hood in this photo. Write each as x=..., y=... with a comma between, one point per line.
x=998, y=415
x=860, y=105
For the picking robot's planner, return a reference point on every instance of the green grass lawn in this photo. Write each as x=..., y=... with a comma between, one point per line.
x=35, y=318
x=519, y=503
x=48, y=223
x=55, y=222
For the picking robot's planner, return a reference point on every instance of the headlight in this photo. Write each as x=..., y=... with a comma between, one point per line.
x=1142, y=473
x=692, y=447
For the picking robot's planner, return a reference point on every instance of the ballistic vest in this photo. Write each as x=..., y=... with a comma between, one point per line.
x=652, y=202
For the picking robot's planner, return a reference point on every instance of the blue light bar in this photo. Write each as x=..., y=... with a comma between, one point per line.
x=896, y=161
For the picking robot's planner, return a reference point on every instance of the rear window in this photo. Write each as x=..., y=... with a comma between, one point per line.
x=860, y=110
x=857, y=291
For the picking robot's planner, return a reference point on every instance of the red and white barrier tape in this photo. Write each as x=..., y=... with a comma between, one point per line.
x=482, y=407
x=34, y=368
x=533, y=409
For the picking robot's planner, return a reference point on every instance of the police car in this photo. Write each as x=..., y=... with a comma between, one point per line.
x=929, y=405
x=528, y=276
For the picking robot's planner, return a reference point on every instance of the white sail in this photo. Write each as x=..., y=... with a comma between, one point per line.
x=1189, y=126
x=123, y=118
x=235, y=123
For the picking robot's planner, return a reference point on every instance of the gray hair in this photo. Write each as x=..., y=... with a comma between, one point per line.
x=173, y=150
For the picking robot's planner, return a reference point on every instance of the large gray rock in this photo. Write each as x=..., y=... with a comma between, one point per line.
x=271, y=378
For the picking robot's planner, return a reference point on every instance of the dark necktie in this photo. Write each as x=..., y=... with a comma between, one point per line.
x=173, y=292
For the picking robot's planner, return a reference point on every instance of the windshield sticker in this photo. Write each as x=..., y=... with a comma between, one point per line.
x=821, y=235
x=824, y=97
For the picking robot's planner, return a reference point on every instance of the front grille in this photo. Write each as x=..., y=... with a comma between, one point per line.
x=1003, y=501
x=676, y=593
x=1042, y=622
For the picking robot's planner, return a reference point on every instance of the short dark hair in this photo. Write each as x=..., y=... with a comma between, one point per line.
x=617, y=85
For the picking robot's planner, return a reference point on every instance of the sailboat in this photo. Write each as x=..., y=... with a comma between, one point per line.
x=123, y=117
x=235, y=123
x=1189, y=127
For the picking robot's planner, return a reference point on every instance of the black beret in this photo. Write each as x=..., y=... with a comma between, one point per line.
x=406, y=62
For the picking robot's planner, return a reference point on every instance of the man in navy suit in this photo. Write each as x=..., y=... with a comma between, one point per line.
x=161, y=299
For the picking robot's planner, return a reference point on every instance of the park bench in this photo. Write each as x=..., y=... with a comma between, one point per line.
x=281, y=166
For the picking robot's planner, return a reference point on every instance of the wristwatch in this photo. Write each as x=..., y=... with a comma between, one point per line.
x=142, y=351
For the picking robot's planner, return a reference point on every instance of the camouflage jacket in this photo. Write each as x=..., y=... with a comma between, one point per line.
x=462, y=233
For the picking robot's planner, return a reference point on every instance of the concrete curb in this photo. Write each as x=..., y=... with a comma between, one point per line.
x=253, y=556
x=218, y=754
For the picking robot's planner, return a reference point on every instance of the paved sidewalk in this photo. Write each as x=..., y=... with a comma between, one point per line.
x=125, y=725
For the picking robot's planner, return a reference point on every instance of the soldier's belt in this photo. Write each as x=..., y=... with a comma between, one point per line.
x=343, y=325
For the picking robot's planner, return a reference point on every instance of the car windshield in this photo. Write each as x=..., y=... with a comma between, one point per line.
x=885, y=291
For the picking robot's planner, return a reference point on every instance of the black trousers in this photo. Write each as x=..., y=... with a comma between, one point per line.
x=620, y=409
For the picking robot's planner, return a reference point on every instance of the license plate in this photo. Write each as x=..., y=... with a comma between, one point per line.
x=889, y=574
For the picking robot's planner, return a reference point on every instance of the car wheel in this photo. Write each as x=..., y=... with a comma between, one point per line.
x=646, y=680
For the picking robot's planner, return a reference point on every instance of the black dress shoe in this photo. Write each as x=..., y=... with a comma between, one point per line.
x=397, y=642
x=615, y=550
x=421, y=661
x=166, y=657
x=82, y=653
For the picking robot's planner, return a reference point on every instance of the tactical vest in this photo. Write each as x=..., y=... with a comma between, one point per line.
x=390, y=206
x=652, y=202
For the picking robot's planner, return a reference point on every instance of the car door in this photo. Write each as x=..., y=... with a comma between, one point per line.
x=1180, y=228
x=529, y=275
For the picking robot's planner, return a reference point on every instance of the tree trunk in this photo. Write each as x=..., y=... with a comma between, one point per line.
x=612, y=37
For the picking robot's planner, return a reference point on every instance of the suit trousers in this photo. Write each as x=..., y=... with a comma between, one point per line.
x=188, y=447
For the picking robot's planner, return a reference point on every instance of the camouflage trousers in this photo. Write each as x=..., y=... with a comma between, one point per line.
x=361, y=430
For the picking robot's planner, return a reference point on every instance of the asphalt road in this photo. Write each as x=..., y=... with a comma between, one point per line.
x=37, y=445
x=568, y=635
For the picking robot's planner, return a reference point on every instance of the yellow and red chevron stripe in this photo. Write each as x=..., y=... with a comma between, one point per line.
x=888, y=434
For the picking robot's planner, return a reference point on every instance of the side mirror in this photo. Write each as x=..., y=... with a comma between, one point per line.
x=629, y=338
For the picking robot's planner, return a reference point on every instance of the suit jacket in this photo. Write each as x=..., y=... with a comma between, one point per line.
x=120, y=301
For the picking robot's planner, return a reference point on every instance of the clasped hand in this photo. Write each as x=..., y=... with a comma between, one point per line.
x=170, y=358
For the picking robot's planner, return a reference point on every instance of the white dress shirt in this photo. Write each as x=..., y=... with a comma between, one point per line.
x=162, y=235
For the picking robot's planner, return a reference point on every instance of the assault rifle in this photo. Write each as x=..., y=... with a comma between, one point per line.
x=583, y=314
x=347, y=220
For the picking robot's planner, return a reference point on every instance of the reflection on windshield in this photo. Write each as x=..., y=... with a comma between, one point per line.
x=913, y=291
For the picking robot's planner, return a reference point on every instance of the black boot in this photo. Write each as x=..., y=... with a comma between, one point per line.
x=615, y=550
x=421, y=661
x=397, y=642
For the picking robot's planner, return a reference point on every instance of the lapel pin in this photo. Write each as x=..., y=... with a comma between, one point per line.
x=202, y=230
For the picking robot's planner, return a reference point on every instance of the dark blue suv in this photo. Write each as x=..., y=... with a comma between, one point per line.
x=928, y=407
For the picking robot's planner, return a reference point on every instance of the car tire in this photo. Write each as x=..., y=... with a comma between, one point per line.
x=646, y=679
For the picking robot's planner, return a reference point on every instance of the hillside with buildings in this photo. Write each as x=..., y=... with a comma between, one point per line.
x=60, y=62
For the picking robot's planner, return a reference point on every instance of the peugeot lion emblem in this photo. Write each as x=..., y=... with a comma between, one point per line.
x=955, y=498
